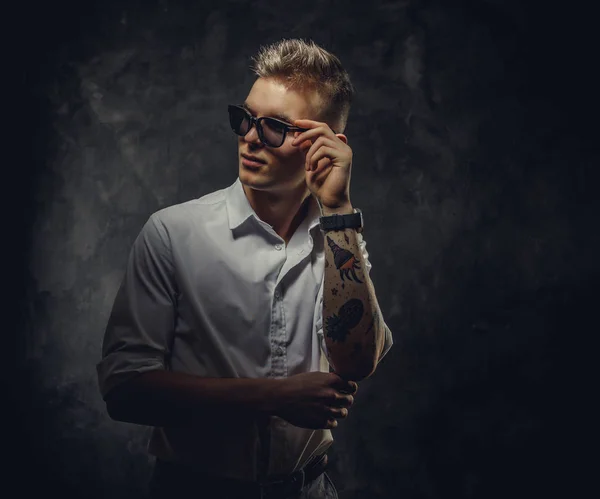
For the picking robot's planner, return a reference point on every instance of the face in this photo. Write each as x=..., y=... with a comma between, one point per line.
x=282, y=168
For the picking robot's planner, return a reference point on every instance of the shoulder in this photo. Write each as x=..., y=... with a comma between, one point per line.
x=192, y=213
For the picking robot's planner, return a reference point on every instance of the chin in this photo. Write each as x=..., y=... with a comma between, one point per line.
x=263, y=180
x=254, y=179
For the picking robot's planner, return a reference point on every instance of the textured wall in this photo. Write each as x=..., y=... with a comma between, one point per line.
x=474, y=167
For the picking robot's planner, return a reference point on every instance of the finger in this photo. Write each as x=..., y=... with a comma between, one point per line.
x=348, y=400
x=344, y=386
x=311, y=124
x=351, y=388
x=322, y=165
x=322, y=152
x=306, y=123
x=320, y=141
x=343, y=401
x=317, y=144
x=318, y=178
x=331, y=423
x=311, y=160
x=305, y=146
x=312, y=134
x=339, y=413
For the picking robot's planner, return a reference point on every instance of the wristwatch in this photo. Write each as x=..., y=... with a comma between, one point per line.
x=341, y=222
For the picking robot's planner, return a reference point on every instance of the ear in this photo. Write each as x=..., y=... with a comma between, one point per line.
x=342, y=137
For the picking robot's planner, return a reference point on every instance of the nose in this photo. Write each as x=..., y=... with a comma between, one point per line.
x=252, y=135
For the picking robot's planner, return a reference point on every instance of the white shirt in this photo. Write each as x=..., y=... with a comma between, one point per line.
x=212, y=290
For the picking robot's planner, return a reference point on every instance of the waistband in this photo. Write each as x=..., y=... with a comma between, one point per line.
x=170, y=476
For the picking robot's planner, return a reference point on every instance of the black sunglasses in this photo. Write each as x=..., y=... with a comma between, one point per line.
x=271, y=131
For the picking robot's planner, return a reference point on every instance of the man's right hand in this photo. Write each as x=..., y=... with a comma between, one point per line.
x=314, y=400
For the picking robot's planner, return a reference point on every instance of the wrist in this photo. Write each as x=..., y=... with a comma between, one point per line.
x=342, y=220
x=275, y=397
x=344, y=209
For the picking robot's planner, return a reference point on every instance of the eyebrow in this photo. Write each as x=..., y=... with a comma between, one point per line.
x=281, y=117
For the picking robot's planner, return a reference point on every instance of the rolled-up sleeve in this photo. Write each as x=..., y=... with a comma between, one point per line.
x=389, y=341
x=140, y=327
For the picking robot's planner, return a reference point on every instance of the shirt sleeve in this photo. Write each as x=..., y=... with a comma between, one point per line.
x=141, y=323
x=389, y=341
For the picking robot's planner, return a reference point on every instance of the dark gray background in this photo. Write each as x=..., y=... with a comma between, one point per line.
x=476, y=167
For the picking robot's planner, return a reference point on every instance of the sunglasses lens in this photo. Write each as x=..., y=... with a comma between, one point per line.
x=273, y=132
x=270, y=131
x=239, y=121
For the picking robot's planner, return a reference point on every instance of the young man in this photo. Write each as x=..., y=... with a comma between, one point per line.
x=246, y=317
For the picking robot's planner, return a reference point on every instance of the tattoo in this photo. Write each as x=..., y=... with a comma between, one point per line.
x=344, y=261
x=349, y=315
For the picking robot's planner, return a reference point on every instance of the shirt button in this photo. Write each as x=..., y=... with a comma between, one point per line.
x=278, y=247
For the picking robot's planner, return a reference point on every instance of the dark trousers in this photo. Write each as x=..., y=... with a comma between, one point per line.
x=172, y=481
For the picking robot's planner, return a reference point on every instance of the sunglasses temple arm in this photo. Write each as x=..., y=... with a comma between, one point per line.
x=298, y=129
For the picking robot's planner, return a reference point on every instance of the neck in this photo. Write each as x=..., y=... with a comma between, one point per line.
x=284, y=211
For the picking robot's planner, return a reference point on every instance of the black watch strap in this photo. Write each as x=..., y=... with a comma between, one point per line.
x=341, y=222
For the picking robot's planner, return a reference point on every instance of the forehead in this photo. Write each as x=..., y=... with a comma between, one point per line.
x=270, y=97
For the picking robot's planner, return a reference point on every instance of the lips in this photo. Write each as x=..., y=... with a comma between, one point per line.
x=254, y=159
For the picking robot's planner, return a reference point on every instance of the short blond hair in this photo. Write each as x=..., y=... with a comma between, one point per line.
x=304, y=65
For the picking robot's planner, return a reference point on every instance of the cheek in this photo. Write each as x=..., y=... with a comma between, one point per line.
x=290, y=154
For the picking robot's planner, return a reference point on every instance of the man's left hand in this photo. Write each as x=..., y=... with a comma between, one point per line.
x=328, y=163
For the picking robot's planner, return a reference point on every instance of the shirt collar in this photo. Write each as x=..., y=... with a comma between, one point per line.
x=238, y=206
x=314, y=213
x=239, y=209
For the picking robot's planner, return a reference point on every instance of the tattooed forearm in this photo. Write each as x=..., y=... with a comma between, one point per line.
x=344, y=261
x=357, y=349
x=338, y=326
x=352, y=326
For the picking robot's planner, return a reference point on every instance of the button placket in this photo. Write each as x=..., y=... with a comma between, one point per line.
x=278, y=357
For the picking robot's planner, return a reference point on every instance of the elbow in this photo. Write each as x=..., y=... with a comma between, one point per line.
x=356, y=372
x=354, y=375
x=365, y=373
x=118, y=405
x=115, y=409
